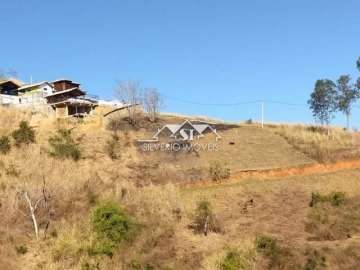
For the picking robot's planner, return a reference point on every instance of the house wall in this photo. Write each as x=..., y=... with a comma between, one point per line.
x=61, y=111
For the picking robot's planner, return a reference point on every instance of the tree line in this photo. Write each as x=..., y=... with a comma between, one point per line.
x=328, y=97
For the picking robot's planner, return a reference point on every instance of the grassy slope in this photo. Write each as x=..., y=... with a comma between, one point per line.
x=281, y=210
x=281, y=205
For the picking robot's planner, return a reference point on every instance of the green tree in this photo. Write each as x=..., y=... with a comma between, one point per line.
x=358, y=67
x=322, y=101
x=347, y=94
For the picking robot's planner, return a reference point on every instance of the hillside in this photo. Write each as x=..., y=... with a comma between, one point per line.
x=258, y=216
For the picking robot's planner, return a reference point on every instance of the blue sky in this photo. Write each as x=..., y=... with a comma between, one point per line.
x=200, y=51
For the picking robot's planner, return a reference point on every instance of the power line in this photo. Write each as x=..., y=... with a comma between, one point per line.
x=209, y=104
x=233, y=103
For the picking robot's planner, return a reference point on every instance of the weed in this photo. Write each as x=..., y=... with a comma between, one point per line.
x=334, y=198
x=337, y=198
x=5, y=145
x=266, y=245
x=63, y=145
x=21, y=250
x=24, y=134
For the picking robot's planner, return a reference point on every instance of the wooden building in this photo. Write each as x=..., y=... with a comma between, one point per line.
x=68, y=99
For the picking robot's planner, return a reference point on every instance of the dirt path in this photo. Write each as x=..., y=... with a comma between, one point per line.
x=316, y=168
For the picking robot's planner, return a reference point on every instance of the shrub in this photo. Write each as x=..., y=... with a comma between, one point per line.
x=24, y=134
x=111, y=147
x=5, y=145
x=111, y=227
x=278, y=257
x=334, y=198
x=63, y=145
x=337, y=198
x=22, y=249
x=237, y=260
x=218, y=171
x=266, y=245
x=205, y=220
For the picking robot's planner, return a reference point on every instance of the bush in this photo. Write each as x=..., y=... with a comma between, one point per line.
x=22, y=249
x=218, y=171
x=111, y=227
x=111, y=147
x=24, y=134
x=337, y=198
x=5, y=145
x=63, y=145
x=334, y=198
x=205, y=220
x=237, y=260
x=266, y=245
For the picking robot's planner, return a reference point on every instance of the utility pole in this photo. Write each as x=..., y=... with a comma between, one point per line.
x=262, y=114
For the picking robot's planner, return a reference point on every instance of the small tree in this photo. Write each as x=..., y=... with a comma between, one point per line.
x=111, y=226
x=347, y=94
x=152, y=102
x=322, y=101
x=129, y=92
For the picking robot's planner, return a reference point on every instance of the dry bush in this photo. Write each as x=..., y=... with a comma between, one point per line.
x=218, y=171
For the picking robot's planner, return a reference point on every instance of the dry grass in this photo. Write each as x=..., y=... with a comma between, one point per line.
x=316, y=143
x=277, y=207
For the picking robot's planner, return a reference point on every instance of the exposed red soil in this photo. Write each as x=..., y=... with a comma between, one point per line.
x=308, y=169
